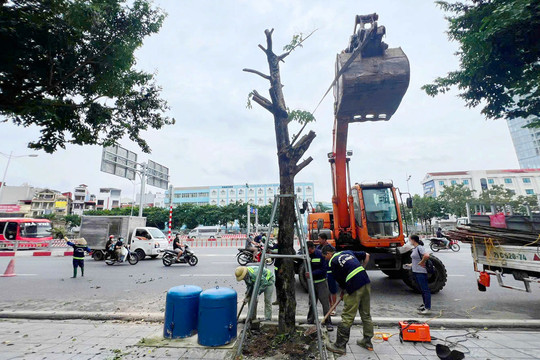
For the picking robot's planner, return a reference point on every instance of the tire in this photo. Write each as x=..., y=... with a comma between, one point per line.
x=167, y=260
x=140, y=254
x=395, y=274
x=193, y=260
x=436, y=281
x=98, y=255
x=455, y=247
x=133, y=259
x=153, y=256
x=243, y=258
x=434, y=247
x=302, y=277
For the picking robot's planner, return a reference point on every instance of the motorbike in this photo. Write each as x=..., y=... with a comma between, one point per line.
x=132, y=258
x=245, y=256
x=437, y=244
x=169, y=257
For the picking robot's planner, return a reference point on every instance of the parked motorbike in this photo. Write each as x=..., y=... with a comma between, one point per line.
x=132, y=258
x=437, y=244
x=187, y=257
x=245, y=256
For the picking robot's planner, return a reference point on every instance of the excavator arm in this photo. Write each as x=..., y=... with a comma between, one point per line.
x=370, y=82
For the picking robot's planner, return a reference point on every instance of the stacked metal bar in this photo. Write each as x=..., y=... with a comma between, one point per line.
x=470, y=233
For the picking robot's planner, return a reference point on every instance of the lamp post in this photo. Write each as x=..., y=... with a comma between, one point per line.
x=6, y=169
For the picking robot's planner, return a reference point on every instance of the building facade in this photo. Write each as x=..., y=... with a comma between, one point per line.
x=82, y=200
x=526, y=143
x=221, y=195
x=520, y=181
x=108, y=198
x=48, y=202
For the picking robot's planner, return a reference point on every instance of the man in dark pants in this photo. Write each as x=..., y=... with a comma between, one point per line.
x=319, y=269
x=348, y=269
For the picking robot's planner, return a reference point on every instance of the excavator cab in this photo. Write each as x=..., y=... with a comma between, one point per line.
x=371, y=78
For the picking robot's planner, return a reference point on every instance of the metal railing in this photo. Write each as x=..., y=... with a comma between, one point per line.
x=47, y=245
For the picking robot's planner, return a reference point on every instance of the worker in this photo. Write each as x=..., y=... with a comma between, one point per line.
x=349, y=272
x=319, y=271
x=266, y=286
x=79, y=247
x=419, y=256
x=332, y=285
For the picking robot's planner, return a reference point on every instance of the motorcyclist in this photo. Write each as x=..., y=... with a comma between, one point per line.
x=177, y=247
x=441, y=236
x=118, y=249
x=109, y=246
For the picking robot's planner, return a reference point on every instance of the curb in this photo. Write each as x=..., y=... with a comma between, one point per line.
x=384, y=322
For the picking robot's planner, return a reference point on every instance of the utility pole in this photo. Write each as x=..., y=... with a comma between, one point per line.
x=143, y=181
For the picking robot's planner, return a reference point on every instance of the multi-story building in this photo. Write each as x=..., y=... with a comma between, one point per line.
x=151, y=200
x=46, y=202
x=519, y=181
x=257, y=194
x=526, y=143
x=108, y=198
x=82, y=200
x=12, y=195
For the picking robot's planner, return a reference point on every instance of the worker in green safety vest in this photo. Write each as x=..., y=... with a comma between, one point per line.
x=349, y=272
x=322, y=294
x=266, y=286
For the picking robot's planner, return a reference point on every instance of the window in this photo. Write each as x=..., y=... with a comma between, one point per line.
x=222, y=193
x=100, y=202
x=526, y=180
x=453, y=182
x=441, y=183
x=491, y=181
x=465, y=182
x=507, y=181
x=299, y=189
x=260, y=192
x=240, y=192
x=529, y=191
x=513, y=192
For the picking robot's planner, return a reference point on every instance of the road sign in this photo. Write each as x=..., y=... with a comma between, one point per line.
x=119, y=161
x=157, y=175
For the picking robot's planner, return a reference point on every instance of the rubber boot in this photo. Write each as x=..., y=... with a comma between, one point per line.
x=82, y=271
x=74, y=272
x=365, y=343
x=342, y=338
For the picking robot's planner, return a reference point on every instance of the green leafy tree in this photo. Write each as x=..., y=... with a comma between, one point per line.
x=499, y=51
x=72, y=221
x=426, y=208
x=454, y=199
x=67, y=67
x=497, y=194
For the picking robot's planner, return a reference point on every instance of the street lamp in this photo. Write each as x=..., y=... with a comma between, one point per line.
x=7, y=166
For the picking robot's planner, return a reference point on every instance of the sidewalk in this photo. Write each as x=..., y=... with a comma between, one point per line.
x=82, y=339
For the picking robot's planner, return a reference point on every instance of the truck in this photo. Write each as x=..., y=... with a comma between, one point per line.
x=371, y=80
x=503, y=245
x=141, y=239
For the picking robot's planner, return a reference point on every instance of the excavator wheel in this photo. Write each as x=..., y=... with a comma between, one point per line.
x=436, y=281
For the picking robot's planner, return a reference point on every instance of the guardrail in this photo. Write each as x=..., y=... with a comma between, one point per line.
x=46, y=245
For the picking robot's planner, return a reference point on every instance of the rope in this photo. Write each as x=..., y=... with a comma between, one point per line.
x=534, y=242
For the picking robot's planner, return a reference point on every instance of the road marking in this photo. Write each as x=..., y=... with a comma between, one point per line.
x=223, y=262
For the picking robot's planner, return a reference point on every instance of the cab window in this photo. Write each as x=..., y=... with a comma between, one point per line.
x=11, y=231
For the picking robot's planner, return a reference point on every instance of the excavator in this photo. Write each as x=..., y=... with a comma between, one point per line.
x=371, y=80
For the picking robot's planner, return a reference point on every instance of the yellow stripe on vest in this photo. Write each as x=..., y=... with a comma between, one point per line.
x=316, y=260
x=354, y=272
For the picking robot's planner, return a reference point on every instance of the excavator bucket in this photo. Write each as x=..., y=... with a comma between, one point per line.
x=371, y=79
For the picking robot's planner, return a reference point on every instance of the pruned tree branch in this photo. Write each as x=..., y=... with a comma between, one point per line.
x=267, y=77
x=262, y=48
x=264, y=102
x=302, y=165
x=301, y=147
x=269, y=39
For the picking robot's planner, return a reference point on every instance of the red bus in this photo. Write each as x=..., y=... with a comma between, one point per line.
x=31, y=232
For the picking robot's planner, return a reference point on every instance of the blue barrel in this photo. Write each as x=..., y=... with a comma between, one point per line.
x=181, y=311
x=217, y=316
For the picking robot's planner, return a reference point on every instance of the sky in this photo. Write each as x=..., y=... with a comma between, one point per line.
x=198, y=57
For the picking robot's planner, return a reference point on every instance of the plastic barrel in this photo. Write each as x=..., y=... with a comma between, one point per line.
x=217, y=316
x=181, y=311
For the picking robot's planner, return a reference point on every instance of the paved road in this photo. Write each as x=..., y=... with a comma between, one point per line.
x=45, y=284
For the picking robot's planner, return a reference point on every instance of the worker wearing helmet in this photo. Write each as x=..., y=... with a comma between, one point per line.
x=349, y=272
x=266, y=286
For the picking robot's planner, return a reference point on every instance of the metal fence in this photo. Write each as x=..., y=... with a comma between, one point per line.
x=47, y=245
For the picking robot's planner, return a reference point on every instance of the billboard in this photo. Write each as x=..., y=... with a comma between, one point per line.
x=119, y=161
x=157, y=175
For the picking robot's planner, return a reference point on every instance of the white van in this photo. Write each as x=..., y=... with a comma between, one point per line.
x=205, y=232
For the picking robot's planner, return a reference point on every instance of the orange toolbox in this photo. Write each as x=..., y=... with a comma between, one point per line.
x=412, y=330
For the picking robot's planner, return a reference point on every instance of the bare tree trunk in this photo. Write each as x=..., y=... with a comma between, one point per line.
x=288, y=157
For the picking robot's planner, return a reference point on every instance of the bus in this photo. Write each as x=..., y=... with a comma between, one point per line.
x=31, y=233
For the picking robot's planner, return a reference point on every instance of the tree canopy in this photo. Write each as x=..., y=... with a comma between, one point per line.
x=67, y=67
x=499, y=57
